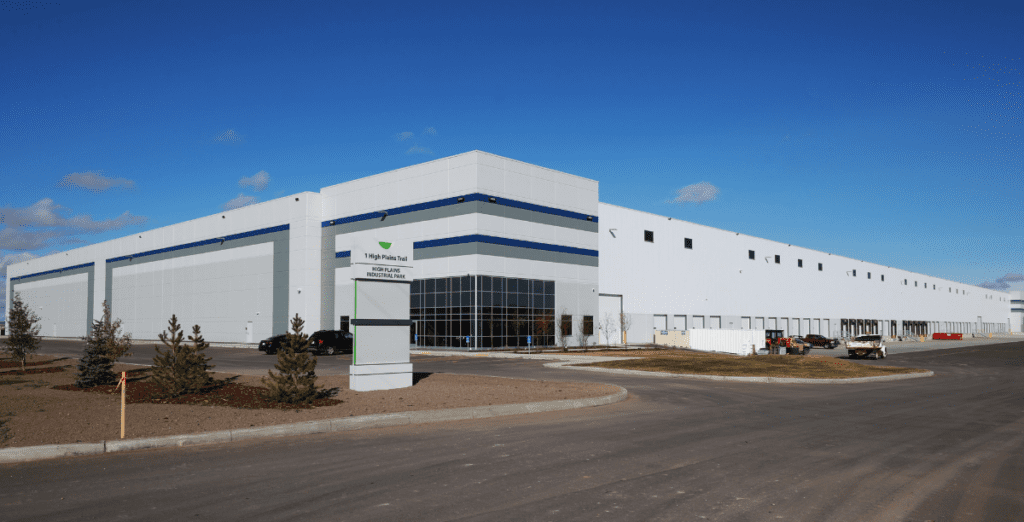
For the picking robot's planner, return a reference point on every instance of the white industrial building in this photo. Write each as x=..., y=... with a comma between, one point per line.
x=503, y=249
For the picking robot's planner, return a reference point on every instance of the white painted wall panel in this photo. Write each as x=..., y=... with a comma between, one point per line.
x=60, y=304
x=221, y=291
x=717, y=278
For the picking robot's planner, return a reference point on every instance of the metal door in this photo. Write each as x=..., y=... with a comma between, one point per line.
x=248, y=332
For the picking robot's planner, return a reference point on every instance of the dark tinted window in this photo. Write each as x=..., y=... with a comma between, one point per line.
x=688, y=243
x=750, y=254
x=649, y=236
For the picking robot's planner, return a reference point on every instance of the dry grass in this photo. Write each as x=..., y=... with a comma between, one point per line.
x=810, y=367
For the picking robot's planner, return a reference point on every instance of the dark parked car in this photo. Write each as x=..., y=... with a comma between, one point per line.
x=820, y=341
x=272, y=344
x=330, y=342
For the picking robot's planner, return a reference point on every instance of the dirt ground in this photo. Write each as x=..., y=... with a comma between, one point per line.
x=32, y=412
x=686, y=361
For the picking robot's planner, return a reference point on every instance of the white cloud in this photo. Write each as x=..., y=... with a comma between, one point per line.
x=1003, y=283
x=696, y=193
x=228, y=135
x=239, y=202
x=416, y=149
x=430, y=131
x=43, y=224
x=402, y=136
x=10, y=259
x=93, y=181
x=257, y=181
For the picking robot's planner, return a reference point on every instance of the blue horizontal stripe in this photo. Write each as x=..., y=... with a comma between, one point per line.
x=480, y=238
x=455, y=201
x=85, y=265
x=205, y=242
x=347, y=253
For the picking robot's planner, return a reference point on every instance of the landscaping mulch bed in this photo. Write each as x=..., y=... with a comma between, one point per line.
x=32, y=371
x=43, y=409
x=17, y=364
x=229, y=394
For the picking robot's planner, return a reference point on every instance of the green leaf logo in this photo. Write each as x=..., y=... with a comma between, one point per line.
x=385, y=245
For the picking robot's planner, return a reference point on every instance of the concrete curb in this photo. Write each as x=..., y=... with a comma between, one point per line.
x=773, y=380
x=31, y=453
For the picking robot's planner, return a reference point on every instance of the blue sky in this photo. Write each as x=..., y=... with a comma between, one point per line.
x=883, y=131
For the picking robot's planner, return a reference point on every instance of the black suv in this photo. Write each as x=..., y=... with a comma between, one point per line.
x=272, y=344
x=330, y=342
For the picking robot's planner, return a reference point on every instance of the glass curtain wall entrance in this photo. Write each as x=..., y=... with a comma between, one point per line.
x=482, y=312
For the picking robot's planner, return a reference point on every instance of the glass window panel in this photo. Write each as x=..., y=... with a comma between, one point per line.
x=431, y=300
x=485, y=299
x=414, y=301
x=513, y=285
x=549, y=302
x=442, y=300
x=538, y=287
x=466, y=285
x=456, y=284
x=524, y=286
x=549, y=287
x=456, y=298
x=467, y=298
x=485, y=283
x=441, y=285
x=430, y=284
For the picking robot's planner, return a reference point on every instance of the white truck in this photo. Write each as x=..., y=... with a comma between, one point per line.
x=865, y=345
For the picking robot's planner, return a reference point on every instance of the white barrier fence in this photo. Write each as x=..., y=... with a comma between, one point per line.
x=739, y=342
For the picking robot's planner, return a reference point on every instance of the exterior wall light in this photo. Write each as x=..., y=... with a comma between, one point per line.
x=384, y=214
x=221, y=240
x=462, y=200
x=492, y=200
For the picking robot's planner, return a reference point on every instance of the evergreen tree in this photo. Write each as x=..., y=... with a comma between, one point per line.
x=182, y=368
x=23, y=331
x=103, y=346
x=296, y=380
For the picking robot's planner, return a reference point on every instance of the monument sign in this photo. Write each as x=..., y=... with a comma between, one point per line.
x=382, y=275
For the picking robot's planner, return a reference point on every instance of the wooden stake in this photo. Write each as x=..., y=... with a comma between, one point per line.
x=123, y=384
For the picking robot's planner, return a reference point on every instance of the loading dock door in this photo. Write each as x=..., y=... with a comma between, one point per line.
x=661, y=322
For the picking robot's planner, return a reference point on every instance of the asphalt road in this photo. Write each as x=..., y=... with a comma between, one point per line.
x=949, y=448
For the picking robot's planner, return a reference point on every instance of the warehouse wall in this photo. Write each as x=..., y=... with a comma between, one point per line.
x=61, y=303
x=256, y=264
x=422, y=206
x=716, y=283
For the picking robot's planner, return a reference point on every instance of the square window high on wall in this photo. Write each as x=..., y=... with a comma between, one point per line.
x=750, y=254
x=649, y=236
x=688, y=243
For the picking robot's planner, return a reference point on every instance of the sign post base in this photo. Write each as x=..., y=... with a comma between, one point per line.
x=372, y=377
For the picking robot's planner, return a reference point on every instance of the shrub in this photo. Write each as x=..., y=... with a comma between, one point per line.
x=103, y=346
x=295, y=381
x=23, y=331
x=182, y=368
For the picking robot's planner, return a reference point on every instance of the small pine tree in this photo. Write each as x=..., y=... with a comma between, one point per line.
x=182, y=368
x=23, y=331
x=103, y=346
x=295, y=381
